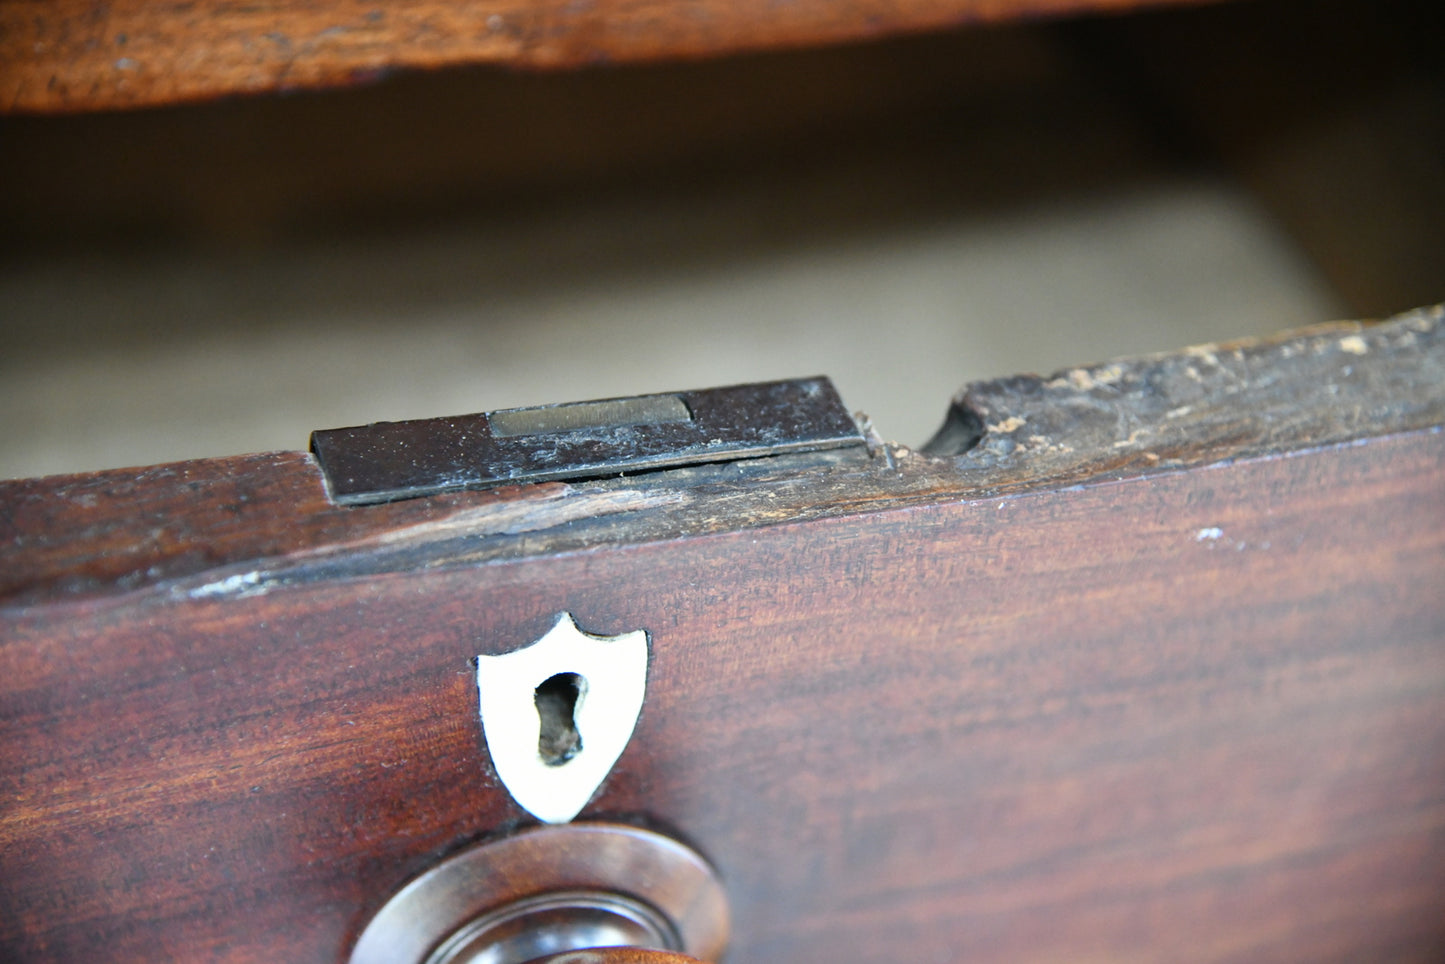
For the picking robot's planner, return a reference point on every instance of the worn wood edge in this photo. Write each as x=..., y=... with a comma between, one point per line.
x=1252, y=397
x=263, y=521
x=72, y=55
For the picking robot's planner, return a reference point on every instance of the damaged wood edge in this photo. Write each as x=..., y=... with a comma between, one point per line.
x=1294, y=393
x=508, y=518
x=646, y=527
x=1209, y=403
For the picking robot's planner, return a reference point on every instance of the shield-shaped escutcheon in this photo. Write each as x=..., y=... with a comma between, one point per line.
x=558, y=713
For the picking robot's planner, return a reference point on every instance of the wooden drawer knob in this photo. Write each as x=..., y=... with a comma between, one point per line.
x=617, y=955
x=558, y=894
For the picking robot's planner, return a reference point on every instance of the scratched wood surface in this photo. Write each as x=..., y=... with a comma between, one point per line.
x=72, y=55
x=1064, y=702
x=265, y=517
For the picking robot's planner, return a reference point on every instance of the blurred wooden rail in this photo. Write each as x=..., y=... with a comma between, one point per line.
x=75, y=55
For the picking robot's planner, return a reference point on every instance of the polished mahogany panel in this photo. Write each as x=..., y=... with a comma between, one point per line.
x=1190, y=712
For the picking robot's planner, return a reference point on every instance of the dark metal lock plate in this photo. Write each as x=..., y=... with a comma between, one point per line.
x=386, y=461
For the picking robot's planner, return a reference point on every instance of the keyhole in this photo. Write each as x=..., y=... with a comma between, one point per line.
x=556, y=701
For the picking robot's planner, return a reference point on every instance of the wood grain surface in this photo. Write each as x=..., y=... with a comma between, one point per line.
x=73, y=55
x=190, y=526
x=1112, y=711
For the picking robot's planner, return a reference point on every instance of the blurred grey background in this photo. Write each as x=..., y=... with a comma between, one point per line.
x=905, y=216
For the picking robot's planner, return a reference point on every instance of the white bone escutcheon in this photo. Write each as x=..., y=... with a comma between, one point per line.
x=610, y=681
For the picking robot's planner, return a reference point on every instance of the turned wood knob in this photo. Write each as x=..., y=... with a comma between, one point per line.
x=580, y=894
x=617, y=955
